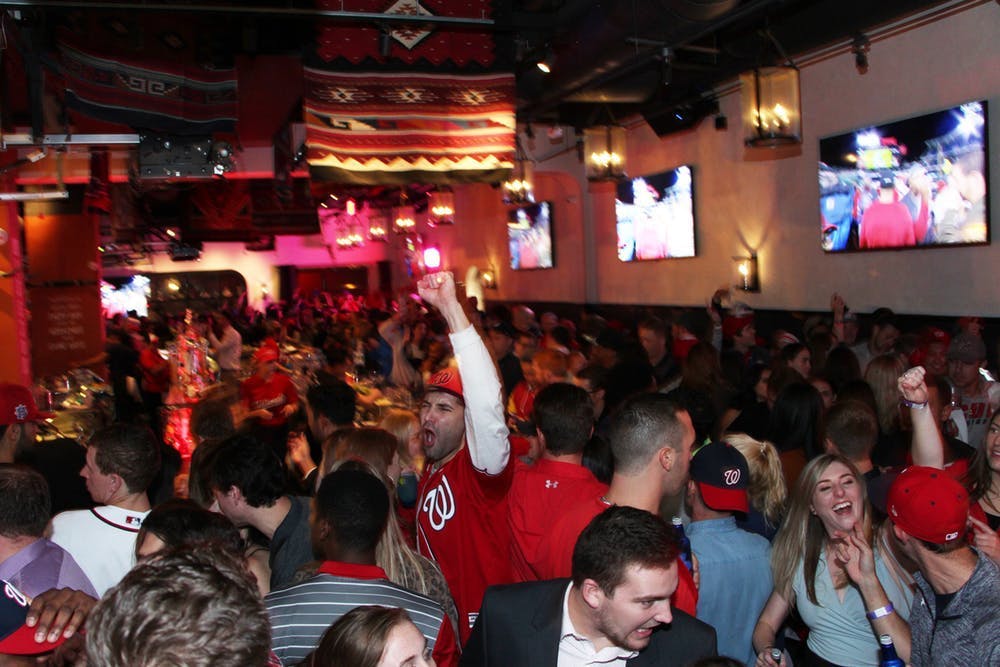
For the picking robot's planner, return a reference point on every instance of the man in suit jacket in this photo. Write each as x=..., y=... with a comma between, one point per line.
x=615, y=610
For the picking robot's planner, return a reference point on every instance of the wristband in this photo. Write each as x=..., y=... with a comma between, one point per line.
x=914, y=404
x=881, y=611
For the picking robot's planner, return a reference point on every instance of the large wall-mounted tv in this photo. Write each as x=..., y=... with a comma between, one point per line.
x=655, y=216
x=529, y=235
x=915, y=183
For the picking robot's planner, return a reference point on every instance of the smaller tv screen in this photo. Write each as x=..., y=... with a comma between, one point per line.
x=529, y=235
x=655, y=216
x=915, y=183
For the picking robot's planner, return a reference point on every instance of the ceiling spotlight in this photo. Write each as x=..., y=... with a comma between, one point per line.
x=860, y=48
x=667, y=66
x=547, y=61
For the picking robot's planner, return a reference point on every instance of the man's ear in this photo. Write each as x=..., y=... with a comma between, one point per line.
x=322, y=529
x=235, y=494
x=667, y=457
x=119, y=482
x=592, y=593
x=8, y=442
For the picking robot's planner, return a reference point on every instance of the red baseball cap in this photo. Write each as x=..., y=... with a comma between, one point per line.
x=17, y=405
x=722, y=475
x=928, y=504
x=15, y=637
x=733, y=325
x=265, y=353
x=447, y=380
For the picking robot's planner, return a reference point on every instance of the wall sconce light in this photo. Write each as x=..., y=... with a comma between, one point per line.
x=772, y=108
x=432, y=258
x=488, y=278
x=519, y=188
x=860, y=47
x=747, y=277
x=441, y=207
x=604, y=151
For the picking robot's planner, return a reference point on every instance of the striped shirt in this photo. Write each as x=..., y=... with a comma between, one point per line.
x=301, y=614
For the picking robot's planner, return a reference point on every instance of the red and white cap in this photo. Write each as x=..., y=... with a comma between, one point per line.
x=447, y=380
x=722, y=475
x=17, y=405
x=16, y=638
x=929, y=504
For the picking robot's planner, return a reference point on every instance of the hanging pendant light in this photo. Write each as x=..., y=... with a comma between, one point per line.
x=519, y=188
x=377, y=227
x=604, y=150
x=772, y=108
x=441, y=207
x=404, y=216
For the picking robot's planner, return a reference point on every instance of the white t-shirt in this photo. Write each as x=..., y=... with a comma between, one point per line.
x=101, y=540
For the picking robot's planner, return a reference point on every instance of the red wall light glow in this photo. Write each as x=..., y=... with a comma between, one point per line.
x=432, y=258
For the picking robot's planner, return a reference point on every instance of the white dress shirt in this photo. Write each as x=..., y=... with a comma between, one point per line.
x=575, y=650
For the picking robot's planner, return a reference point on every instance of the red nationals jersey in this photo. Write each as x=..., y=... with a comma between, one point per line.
x=273, y=395
x=462, y=525
x=556, y=557
x=539, y=495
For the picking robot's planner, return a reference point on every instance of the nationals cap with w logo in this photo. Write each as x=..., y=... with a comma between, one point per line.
x=722, y=476
x=16, y=638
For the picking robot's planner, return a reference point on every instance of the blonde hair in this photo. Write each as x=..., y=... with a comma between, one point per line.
x=402, y=424
x=882, y=375
x=376, y=446
x=768, y=492
x=802, y=537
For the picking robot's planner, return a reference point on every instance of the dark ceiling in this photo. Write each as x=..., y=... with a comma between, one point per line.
x=623, y=57
x=664, y=59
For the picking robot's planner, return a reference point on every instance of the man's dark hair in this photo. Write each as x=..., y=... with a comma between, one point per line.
x=596, y=375
x=25, y=504
x=654, y=324
x=335, y=400
x=197, y=608
x=180, y=522
x=355, y=504
x=790, y=351
x=252, y=467
x=943, y=387
x=565, y=416
x=618, y=538
x=211, y=419
x=129, y=451
x=642, y=427
x=852, y=427
x=796, y=419
x=858, y=390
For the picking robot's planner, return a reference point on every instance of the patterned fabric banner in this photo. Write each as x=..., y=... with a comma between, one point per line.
x=160, y=95
x=411, y=43
x=371, y=128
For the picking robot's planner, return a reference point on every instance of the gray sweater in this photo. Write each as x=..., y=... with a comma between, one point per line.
x=968, y=630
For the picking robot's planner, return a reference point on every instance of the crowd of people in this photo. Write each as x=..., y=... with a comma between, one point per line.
x=538, y=491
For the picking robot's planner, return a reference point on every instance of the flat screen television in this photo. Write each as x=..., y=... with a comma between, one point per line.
x=529, y=235
x=655, y=216
x=914, y=183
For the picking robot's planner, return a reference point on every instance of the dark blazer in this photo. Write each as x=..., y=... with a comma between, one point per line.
x=519, y=625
